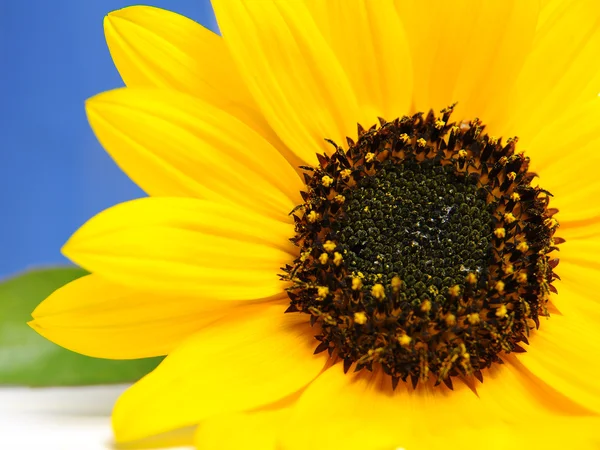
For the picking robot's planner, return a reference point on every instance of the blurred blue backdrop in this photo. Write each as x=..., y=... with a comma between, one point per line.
x=53, y=173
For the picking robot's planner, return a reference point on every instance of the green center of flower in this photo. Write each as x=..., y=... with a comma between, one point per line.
x=417, y=221
x=424, y=249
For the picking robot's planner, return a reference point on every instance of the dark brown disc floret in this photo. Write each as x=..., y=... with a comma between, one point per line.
x=424, y=249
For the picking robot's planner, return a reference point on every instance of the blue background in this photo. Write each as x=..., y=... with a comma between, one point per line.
x=53, y=173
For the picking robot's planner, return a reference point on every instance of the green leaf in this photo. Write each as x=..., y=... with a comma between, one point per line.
x=26, y=358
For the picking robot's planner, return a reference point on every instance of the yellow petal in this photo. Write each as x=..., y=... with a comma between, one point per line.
x=578, y=269
x=561, y=70
x=179, y=246
x=555, y=433
x=515, y=394
x=248, y=361
x=572, y=301
x=252, y=431
x=548, y=8
x=182, y=438
x=578, y=290
x=467, y=52
x=375, y=55
x=174, y=144
x=564, y=354
x=564, y=155
x=105, y=320
x=152, y=47
x=580, y=230
x=360, y=411
x=294, y=76
x=581, y=252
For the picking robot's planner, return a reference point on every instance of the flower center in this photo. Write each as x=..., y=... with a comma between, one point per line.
x=424, y=249
x=417, y=221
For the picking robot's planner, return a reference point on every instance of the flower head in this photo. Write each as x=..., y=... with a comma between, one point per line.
x=321, y=284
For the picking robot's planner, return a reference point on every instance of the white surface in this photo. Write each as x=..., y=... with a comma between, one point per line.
x=75, y=418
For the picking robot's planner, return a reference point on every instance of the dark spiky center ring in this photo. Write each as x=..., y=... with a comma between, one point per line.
x=424, y=249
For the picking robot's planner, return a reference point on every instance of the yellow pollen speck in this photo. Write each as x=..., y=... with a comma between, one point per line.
x=366, y=209
x=337, y=258
x=439, y=124
x=550, y=222
x=404, y=340
x=500, y=232
x=324, y=258
x=340, y=198
x=369, y=157
x=356, y=283
x=473, y=318
x=515, y=197
x=502, y=161
x=326, y=181
x=471, y=278
x=313, y=216
x=421, y=142
x=426, y=306
x=493, y=140
x=404, y=138
x=329, y=246
x=509, y=218
x=462, y=153
x=450, y=320
x=360, y=318
x=523, y=247
x=375, y=351
x=346, y=173
x=378, y=291
x=522, y=278
x=454, y=291
x=511, y=176
x=304, y=256
x=499, y=286
x=501, y=312
x=322, y=291
x=508, y=269
x=396, y=283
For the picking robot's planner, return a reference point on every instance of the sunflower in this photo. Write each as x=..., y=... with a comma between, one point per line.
x=355, y=220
